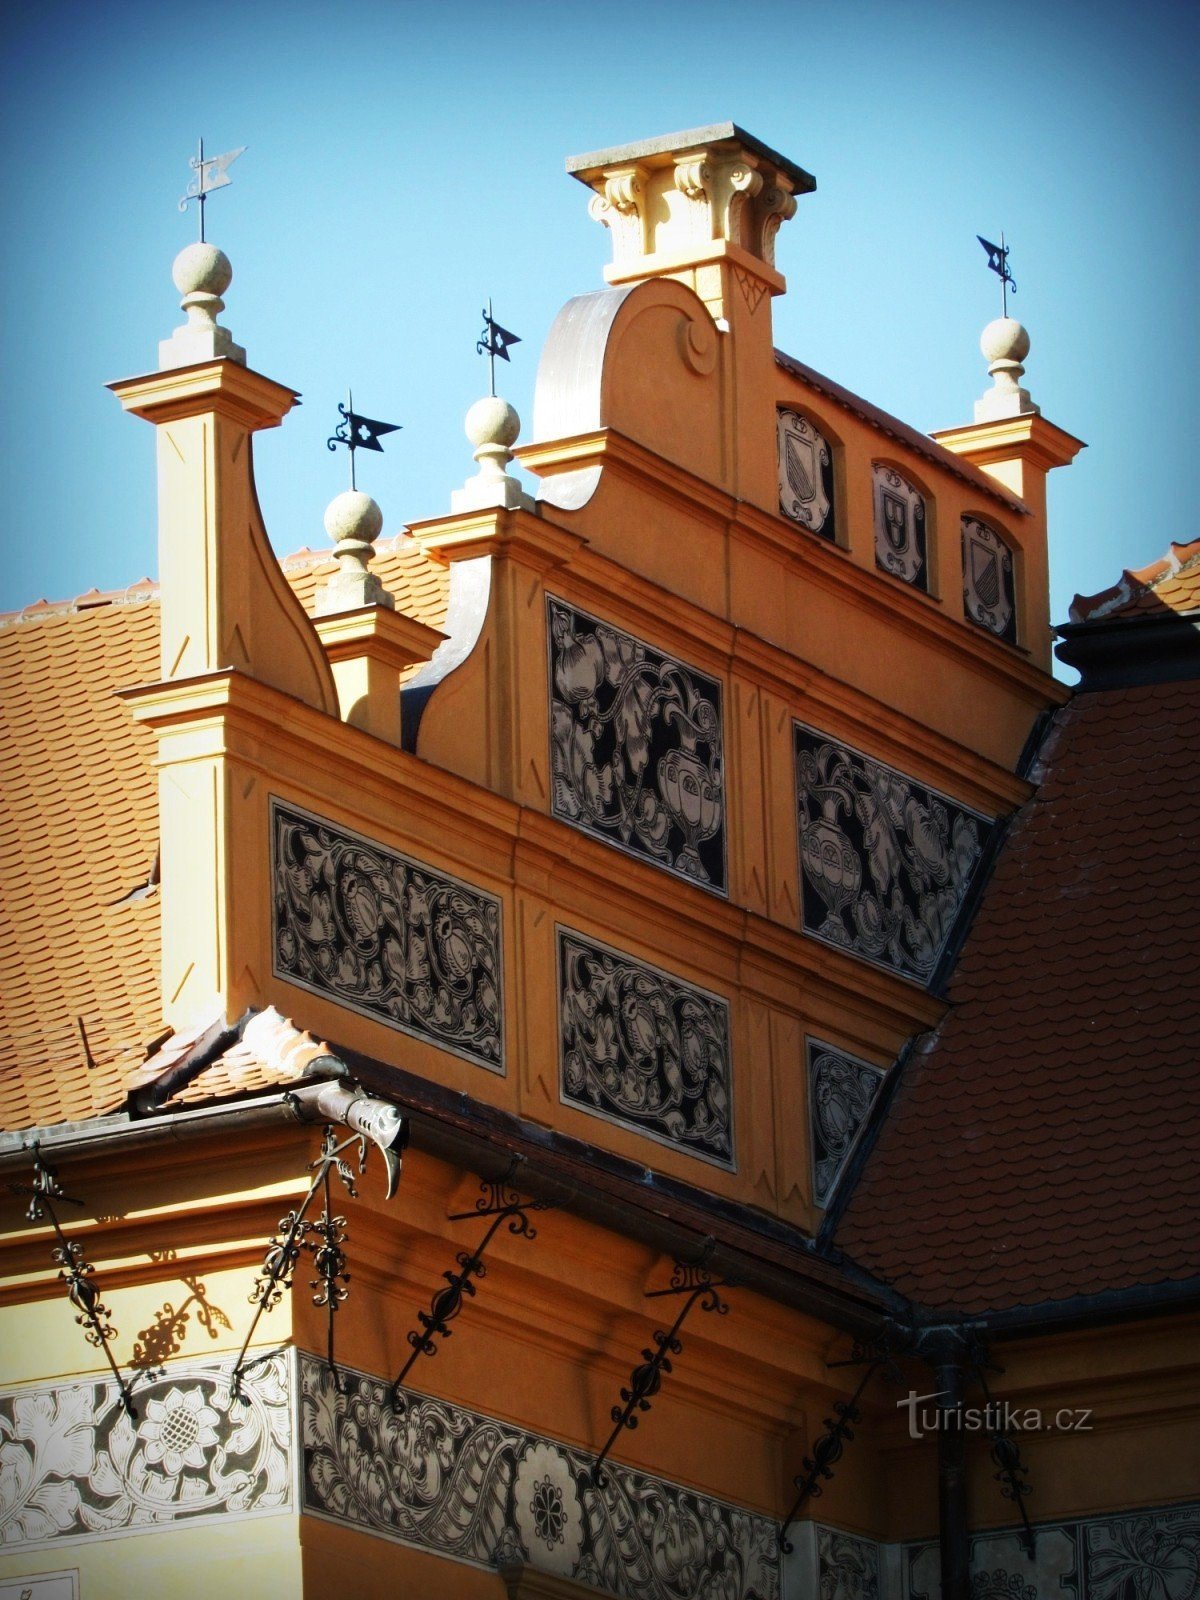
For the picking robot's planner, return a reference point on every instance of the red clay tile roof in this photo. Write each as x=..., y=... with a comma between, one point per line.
x=1169, y=585
x=1042, y=1144
x=79, y=813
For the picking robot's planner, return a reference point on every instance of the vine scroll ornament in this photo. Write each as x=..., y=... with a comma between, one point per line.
x=74, y=1270
x=645, y=1380
x=502, y=1204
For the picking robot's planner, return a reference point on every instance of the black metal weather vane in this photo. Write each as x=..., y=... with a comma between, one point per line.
x=997, y=255
x=494, y=341
x=211, y=173
x=357, y=432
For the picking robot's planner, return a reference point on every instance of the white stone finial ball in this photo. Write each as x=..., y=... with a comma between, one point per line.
x=353, y=515
x=1004, y=340
x=202, y=269
x=492, y=421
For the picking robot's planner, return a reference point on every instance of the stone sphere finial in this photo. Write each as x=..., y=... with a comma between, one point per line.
x=201, y=269
x=1004, y=340
x=1005, y=344
x=202, y=274
x=492, y=426
x=353, y=521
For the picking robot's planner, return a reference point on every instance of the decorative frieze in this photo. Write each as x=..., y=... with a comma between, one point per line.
x=475, y=1489
x=76, y=1465
x=387, y=936
x=886, y=861
x=1151, y=1552
x=806, y=489
x=899, y=526
x=636, y=746
x=840, y=1091
x=643, y=1049
x=989, y=590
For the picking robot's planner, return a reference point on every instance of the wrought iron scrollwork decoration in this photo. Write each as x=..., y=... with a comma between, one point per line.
x=342, y=434
x=323, y=1239
x=827, y=1451
x=499, y=1201
x=691, y=1280
x=1012, y=1474
x=75, y=1272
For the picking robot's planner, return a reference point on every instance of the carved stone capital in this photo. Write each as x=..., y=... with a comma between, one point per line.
x=620, y=206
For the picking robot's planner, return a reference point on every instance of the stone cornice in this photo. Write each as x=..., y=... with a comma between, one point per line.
x=224, y=386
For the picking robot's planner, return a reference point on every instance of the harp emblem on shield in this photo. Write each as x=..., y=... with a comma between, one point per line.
x=805, y=477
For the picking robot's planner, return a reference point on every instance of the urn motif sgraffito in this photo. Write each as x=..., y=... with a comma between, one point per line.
x=885, y=861
x=636, y=746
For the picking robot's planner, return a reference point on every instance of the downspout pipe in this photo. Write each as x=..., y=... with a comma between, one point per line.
x=953, y=1532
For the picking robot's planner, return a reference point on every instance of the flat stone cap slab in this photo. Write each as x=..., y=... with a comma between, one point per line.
x=677, y=144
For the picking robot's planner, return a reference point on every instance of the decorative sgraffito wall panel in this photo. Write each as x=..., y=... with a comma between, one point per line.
x=74, y=1464
x=1153, y=1552
x=840, y=1091
x=387, y=936
x=899, y=526
x=989, y=589
x=478, y=1490
x=636, y=747
x=806, y=490
x=886, y=861
x=644, y=1049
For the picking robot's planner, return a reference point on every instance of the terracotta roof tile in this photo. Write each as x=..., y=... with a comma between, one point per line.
x=80, y=821
x=1043, y=1143
x=1169, y=585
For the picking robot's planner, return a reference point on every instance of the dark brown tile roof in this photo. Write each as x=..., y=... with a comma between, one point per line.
x=79, y=813
x=1043, y=1143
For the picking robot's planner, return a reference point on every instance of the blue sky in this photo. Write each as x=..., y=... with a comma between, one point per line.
x=404, y=163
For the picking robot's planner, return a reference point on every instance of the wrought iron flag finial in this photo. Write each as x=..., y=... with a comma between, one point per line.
x=357, y=432
x=494, y=341
x=997, y=255
x=211, y=173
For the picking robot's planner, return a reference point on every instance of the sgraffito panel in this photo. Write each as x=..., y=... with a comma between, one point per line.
x=644, y=1049
x=74, y=1464
x=387, y=936
x=636, y=747
x=840, y=1091
x=443, y=1478
x=886, y=862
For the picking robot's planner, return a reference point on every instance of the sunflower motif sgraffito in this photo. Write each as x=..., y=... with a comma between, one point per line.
x=75, y=1465
x=387, y=936
x=840, y=1092
x=644, y=1049
x=885, y=861
x=636, y=747
x=178, y=1431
